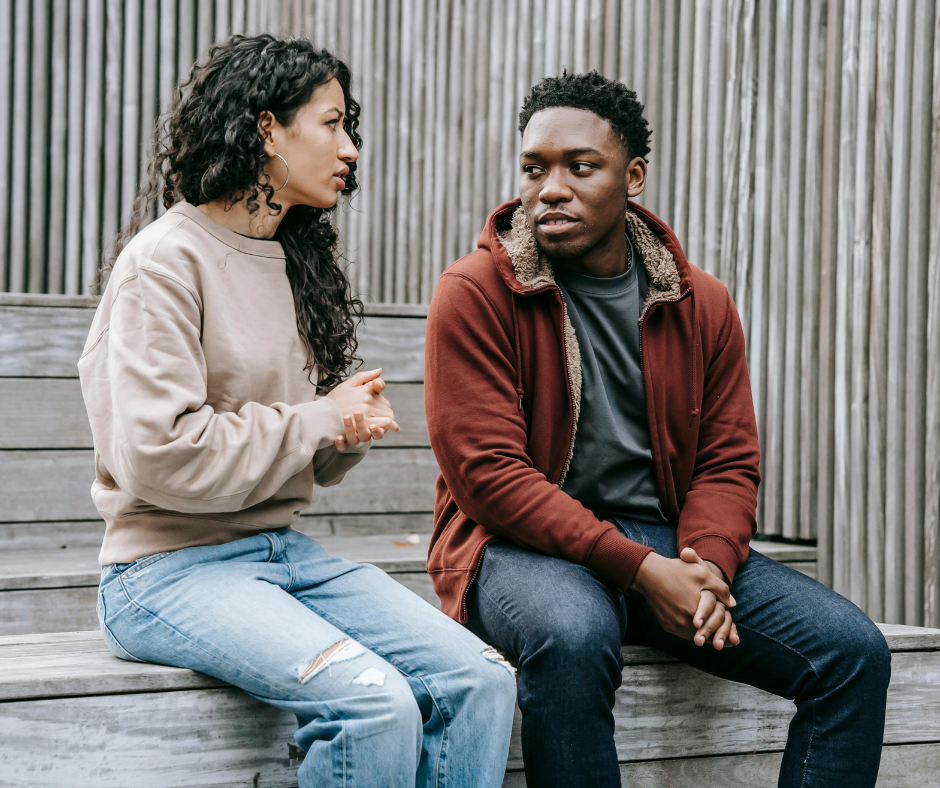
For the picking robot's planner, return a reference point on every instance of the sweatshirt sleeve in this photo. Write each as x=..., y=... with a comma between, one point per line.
x=478, y=434
x=718, y=518
x=165, y=444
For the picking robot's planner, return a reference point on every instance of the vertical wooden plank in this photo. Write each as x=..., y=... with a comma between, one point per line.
x=113, y=106
x=777, y=301
x=223, y=20
x=37, y=188
x=552, y=38
x=93, y=138
x=410, y=150
x=205, y=27
x=6, y=122
x=131, y=102
x=812, y=240
x=392, y=141
x=186, y=38
x=595, y=36
x=640, y=48
x=878, y=326
x=627, y=13
x=653, y=97
x=714, y=141
x=896, y=265
x=19, y=193
x=827, y=290
x=698, y=134
x=376, y=195
x=76, y=104
x=352, y=206
x=611, y=39
x=58, y=160
x=729, y=150
x=742, y=222
x=932, y=428
x=566, y=33
x=795, y=224
x=861, y=290
x=763, y=157
x=918, y=228
x=664, y=142
x=505, y=182
x=842, y=407
x=498, y=63
x=484, y=38
x=580, y=54
x=239, y=12
x=680, y=210
x=446, y=120
x=456, y=219
x=149, y=90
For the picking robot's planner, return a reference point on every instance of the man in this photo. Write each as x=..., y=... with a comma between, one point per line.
x=589, y=405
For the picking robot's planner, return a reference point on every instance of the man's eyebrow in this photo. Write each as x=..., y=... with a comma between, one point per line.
x=571, y=152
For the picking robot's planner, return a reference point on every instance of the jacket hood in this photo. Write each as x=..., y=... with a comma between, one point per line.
x=510, y=242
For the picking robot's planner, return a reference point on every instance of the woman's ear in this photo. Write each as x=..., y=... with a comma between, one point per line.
x=266, y=122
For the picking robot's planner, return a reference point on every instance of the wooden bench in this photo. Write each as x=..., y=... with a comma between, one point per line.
x=71, y=714
x=50, y=532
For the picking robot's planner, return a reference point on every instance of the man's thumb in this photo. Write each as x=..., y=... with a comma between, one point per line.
x=690, y=556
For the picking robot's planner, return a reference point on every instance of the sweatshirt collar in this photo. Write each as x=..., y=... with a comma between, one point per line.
x=258, y=247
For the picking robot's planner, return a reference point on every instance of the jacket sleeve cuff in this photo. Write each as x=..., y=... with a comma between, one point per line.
x=616, y=558
x=720, y=552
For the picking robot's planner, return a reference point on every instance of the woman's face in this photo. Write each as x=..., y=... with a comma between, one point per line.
x=316, y=147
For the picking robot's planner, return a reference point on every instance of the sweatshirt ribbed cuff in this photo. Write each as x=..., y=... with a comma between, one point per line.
x=616, y=558
x=720, y=552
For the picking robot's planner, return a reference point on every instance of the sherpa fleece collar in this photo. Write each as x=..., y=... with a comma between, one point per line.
x=533, y=271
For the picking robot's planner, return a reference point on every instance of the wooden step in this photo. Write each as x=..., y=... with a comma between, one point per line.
x=72, y=714
x=50, y=586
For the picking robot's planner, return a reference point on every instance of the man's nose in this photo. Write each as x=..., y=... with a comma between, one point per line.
x=555, y=189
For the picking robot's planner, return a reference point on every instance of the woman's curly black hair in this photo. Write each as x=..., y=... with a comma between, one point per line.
x=613, y=101
x=208, y=147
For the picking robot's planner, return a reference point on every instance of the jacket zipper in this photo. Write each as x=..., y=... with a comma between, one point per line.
x=564, y=346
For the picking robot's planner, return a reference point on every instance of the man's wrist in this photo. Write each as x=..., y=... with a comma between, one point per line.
x=716, y=570
x=644, y=572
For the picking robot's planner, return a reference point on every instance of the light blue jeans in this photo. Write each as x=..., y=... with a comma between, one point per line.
x=387, y=690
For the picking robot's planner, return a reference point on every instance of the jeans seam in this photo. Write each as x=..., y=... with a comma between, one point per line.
x=261, y=680
x=809, y=745
x=499, y=607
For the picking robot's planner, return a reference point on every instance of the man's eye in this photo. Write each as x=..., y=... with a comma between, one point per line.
x=531, y=169
x=582, y=166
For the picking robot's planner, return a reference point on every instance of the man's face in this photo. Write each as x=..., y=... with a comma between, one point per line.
x=574, y=182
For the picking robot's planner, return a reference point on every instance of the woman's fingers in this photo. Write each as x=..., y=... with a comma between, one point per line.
x=362, y=426
x=349, y=426
x=366, y=376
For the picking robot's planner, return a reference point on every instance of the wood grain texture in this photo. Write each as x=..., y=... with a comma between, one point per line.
x=55, y=485
x=47, y=341
x=49, y=413
x=904, y=766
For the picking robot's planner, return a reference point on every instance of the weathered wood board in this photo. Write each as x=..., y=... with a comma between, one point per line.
x=902, y=766
x=111, y=735
x=49, y=413
x=55, y=485
x=40, y=341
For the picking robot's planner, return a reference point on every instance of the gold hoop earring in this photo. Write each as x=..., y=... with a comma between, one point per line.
x=288, y=172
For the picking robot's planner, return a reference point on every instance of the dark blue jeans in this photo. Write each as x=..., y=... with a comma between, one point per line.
x=799, y=640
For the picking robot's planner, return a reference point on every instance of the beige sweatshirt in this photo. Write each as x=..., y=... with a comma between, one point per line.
x=206, y=427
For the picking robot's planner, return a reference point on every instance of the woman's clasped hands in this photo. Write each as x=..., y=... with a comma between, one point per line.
x=366, y=412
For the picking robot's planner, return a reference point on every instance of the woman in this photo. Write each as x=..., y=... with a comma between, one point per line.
x=221, y=322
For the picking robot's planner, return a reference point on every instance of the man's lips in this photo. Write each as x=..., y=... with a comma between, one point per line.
x=557, y=224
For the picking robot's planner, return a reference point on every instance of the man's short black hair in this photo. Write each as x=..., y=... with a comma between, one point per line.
x=613, y=101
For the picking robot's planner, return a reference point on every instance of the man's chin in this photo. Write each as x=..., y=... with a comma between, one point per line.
x=561, y=252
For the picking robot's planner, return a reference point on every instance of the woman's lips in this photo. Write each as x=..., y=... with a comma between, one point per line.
x=340, y=181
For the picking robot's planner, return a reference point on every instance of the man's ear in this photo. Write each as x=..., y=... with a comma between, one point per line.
x=636, y=177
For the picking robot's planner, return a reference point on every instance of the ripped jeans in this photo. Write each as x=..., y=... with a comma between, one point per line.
x=387, y=690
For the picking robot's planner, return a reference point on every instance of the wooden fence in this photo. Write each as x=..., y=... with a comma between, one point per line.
x=796, y=152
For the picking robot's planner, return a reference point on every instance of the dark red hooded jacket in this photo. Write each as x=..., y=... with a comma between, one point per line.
x=502, y=393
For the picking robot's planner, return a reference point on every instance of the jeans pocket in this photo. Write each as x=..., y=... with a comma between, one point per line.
x=116, y=648
x=134, y=567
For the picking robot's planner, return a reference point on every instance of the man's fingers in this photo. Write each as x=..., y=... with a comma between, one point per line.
x=706, y=604
x=689, y=556
x=723, y=632
x=714, y=622
x=733, y=637
x=719, y=588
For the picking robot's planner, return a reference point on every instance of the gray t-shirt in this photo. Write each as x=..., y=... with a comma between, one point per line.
x=612, y=466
